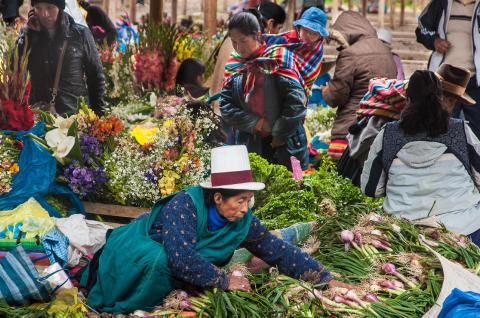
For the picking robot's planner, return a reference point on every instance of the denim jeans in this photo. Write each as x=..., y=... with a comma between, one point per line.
x=471, y=113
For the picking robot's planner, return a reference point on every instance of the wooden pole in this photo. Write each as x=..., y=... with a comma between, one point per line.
x=392, y=13
x=156, y=11
x=184, y=8
x=291, y=9
x=174, y=11
x=111, y=9
x=364, y=7
x=210, y=17
x=402, y=12
x=381, y=13
x=133, y=11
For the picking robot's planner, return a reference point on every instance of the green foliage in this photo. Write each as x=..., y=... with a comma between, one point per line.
x=288, y=208
x=326, y=183
x=277, y=179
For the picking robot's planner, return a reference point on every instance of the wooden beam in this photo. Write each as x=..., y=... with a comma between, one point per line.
x=381, y=13
x=133, y=11
x=113, y=210
x=174, y=11
x=364, y=7
x=210, y=17
x=393, y=4
x=184, y=8
x=335, y=5
x=402, y=12
x=156, y=11
x=291, y=10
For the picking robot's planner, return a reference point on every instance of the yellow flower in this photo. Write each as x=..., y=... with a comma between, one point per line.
x=144, y=135
x=167, y=182
x=168, y=123
x=89, y=113
x=14, y=168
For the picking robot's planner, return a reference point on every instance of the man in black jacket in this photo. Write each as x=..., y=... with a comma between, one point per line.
x=450, y=28
x=49, y=27
x=9, y=10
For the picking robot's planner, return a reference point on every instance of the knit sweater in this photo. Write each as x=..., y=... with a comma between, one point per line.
x=175, y=229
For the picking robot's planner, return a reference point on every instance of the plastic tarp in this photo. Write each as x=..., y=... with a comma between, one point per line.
x=461, y=304
x=36, y=177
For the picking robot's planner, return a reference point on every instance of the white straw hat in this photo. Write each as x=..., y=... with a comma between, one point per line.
x=230, y=169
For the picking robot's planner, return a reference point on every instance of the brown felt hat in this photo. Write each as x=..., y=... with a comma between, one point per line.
x=454, y=81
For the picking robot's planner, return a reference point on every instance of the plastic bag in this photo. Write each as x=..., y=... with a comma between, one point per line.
x=461, y=304
x=36, y=177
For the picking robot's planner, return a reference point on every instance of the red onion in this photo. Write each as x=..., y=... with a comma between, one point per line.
x=380, y=245
x=185, y=305
x=371, y=298
x=358, y=238
x=347, y=238
x=375, y=218
x=390, y=269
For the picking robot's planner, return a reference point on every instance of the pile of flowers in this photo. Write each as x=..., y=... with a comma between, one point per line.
x=106, y=159
x=9, y=154
x=15, y=112
x=160, y=157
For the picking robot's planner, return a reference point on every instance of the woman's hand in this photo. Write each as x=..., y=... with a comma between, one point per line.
x=239, y=283
x=338, y=284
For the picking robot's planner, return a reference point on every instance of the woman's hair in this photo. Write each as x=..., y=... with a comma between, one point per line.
x=270, y=10
x=225, y=193
x=248, y=23
x=189, y=71
x=425, y=110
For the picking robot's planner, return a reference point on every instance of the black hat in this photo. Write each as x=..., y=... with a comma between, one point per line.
x=59, y=3
x=454, y=81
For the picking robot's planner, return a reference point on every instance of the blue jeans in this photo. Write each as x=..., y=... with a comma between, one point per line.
x=475, y=237
x=296, y=146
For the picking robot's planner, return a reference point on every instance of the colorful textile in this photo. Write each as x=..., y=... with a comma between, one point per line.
x=336, y=148
x=56, y=246
x=40, y=259
x=297, y=61
x=29, y=217
x=33, y=244
x=385, y=98
x=20, y=282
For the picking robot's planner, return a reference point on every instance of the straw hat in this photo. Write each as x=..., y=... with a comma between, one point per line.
x=230, y=169
x=454, y=81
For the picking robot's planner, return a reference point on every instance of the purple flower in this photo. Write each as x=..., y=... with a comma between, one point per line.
x=90, y=147
x=84, y=180
x=150, y=176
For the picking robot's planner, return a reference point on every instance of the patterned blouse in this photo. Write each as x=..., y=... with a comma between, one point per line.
x=175, y=229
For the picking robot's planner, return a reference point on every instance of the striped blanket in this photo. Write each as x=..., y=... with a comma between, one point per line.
x=298, y=61
x=385, y=98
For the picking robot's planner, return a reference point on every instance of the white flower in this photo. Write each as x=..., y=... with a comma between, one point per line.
x=59, y=142
x=64, y=124
x=153, y=100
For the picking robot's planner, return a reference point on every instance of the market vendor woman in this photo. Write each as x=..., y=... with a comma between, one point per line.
x=187, y=238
